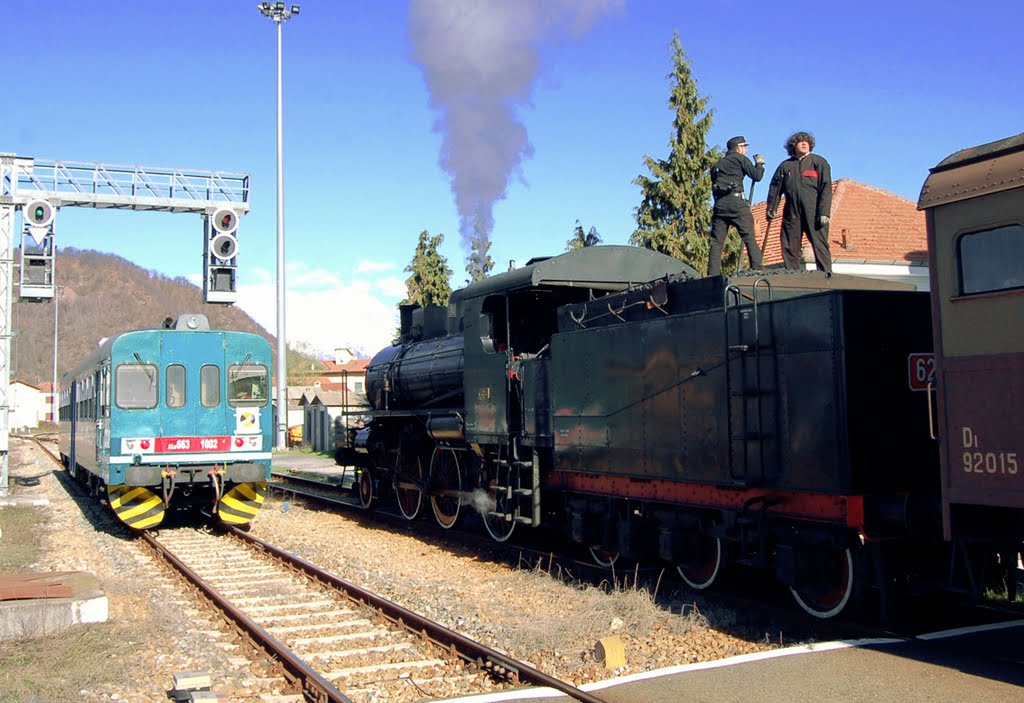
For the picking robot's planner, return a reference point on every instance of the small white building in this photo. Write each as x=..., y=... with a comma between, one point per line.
x=28, y=406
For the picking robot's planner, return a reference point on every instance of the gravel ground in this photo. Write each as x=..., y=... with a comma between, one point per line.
x=553, y=625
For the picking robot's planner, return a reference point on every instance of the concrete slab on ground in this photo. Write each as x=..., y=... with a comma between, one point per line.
x=23, y=618
x=23, y=500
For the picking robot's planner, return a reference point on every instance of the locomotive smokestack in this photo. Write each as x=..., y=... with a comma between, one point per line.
x=480, y=61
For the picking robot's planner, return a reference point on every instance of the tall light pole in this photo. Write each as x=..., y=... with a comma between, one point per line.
x=277, y=12
x=56, y=316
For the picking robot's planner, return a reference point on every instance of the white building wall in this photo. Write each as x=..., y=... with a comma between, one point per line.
x=28, y=405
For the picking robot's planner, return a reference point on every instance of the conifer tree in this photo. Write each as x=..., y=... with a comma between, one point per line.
x=580, y=240
x=674, y=216
x=428, y=284
x=479, y=262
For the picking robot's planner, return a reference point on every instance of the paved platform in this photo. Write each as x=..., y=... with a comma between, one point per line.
x=293, y=460
x=975, y=664
x=38, y=604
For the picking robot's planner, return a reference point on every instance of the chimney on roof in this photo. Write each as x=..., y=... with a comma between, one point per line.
x=342, y=355
x=847, y=240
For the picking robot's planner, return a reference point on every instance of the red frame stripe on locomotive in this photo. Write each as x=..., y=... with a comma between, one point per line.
x=824, y=507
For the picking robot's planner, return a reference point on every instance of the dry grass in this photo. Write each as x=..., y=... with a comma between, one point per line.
x=581, y=609
x=21, y=536
x=54, y=669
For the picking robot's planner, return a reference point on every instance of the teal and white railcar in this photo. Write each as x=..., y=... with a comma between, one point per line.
x=172, y=418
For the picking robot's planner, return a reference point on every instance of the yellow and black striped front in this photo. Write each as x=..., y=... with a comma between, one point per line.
x=136, y=506
x=241, y=503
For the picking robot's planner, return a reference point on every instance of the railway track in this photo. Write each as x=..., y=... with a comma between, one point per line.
x=336, y=642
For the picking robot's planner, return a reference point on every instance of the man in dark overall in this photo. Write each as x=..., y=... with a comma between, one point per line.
x=806, y=181
x=731, y=206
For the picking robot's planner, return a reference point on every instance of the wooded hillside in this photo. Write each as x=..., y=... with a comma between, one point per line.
x=102, y=295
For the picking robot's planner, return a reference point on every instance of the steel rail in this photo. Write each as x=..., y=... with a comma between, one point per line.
x=458, y=644
x=314, y=686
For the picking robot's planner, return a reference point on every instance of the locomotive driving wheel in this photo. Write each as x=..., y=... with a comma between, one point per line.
x=699, y=569
x=499, y=518
x=365, y=487
x=408, y=485
x=829, y=592
x=446, y=483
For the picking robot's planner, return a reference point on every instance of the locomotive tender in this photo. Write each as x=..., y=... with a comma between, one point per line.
x=770, y=418
x=171, y=418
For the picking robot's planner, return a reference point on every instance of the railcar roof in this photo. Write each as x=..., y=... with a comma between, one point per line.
x=608, y=268
x=987, y=168
x=105, y=347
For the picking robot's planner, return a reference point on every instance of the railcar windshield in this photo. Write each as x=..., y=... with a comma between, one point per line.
x=247, y=384
x=135, y=386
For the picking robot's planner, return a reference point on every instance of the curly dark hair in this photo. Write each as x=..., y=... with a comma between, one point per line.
x=798, y=137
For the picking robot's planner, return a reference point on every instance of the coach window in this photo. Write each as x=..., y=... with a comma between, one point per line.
x=209, y=386
x=135, y=386
x=989, y=261
x=247, y=384
x=175, y=381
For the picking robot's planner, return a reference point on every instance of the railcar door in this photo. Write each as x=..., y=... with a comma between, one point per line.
x=73, y=422
x=192, y=385
x=102, y=436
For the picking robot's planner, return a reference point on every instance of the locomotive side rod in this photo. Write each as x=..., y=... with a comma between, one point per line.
x=467, y=648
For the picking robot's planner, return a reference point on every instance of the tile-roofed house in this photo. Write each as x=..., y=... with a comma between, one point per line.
x=345, y=371
x=872, y=233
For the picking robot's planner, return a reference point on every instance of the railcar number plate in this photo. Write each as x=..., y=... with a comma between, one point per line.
x=921, y=370
x=193, y=444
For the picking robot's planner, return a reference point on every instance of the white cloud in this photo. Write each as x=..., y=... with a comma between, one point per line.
x=324, y=311
x=366, y=266
x=393, y=287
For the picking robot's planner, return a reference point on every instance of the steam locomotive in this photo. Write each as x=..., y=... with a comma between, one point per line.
x=779, y=419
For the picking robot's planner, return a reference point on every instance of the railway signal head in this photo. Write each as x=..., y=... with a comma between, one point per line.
x=225, y=220
x=220, y=260
x=39, y=213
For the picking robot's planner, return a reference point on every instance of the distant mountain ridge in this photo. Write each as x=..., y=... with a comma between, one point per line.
x=102, y=295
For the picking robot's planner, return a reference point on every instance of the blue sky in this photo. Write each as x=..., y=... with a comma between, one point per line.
x=888, y=89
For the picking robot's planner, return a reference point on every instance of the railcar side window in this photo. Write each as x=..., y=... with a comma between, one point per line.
x=175, y=381
x=135, y=386
x=989, y=260
x=209, y=381
x=247, y=384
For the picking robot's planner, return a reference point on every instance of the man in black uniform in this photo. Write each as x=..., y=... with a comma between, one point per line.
x=731, y=206
x=806, y=181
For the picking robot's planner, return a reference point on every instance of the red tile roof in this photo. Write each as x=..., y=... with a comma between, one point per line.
x=357, y=366
x=868, y=225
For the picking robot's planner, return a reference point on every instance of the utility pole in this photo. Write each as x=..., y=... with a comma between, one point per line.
x=277, y=12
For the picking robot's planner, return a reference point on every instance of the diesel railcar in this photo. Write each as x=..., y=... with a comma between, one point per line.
x=776, y=419
x=175, y=418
